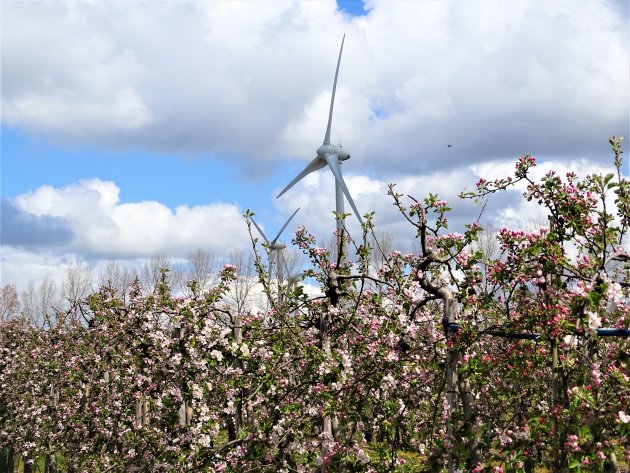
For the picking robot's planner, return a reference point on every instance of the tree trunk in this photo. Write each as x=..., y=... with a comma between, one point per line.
x=611, y=465
x=326, y=421
x=560, y=459
x=448, y=321
x=529, y=466
x=558, y=386
x=50, y=465
x=458, y=387
x=235, y=421
x=470, y=418
x=7, y=461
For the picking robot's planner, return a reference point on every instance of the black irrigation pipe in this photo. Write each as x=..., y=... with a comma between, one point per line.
x=613, y=332
x=601, y=332
x=514, y=336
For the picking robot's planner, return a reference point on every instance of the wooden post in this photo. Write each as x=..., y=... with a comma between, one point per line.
x=137, y=414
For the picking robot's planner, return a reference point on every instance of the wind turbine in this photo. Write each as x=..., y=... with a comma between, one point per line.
x=274, y=246
x=331, y=156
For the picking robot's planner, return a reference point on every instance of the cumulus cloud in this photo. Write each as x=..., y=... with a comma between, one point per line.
x=80, y=85
x=23, y=266
x=45, y=229
x=22, y=229
x=521, y=214
x=103, y=226
x=495, y=79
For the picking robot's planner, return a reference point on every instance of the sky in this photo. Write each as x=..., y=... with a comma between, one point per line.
x=137, y=128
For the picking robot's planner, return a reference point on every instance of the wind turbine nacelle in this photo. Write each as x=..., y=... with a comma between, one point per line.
x=327, y=149
x=278, y=246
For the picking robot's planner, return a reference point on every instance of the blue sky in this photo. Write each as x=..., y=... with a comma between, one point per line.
x=149, y=128
x=29, y=162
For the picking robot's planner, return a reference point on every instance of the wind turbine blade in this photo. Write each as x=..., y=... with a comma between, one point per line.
x=332, y=98
x=333, y=163
x=314, y=165
x=260, y=230
x=273, y=242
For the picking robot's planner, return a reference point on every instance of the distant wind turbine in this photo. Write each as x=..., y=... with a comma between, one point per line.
x=331, y=156
x=275, y=248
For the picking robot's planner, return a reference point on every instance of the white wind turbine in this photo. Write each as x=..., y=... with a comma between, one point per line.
x=275, y=247
x=331, y=156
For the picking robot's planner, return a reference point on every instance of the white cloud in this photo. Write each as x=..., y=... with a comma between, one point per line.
x=315, y=195
x=494, y=78
x=105, y=227
x=20, y=267
x=522, y=214
x=118, y=111
x=80, y=84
